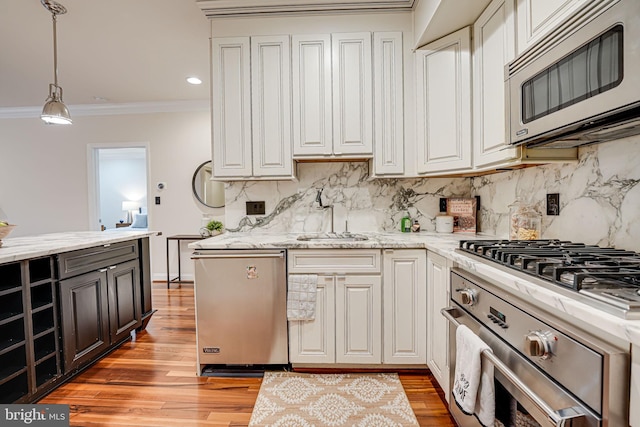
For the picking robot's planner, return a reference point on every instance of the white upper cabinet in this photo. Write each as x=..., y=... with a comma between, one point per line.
x=388, y=104
x=536, y=18
x=332, y=96
x=251, y=107
x=443, y=113
x=231, y=107
x=352, y=93
x=271, y=105
x=312, y=117
x=494, y=39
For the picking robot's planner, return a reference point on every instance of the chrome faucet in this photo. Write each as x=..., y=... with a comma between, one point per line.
x=321, y=206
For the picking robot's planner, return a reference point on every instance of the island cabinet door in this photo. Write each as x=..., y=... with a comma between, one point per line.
x=124, y=299
x=85, y=318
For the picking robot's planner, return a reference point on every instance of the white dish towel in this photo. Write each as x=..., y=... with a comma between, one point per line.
x=473, y=382
x=301, y=296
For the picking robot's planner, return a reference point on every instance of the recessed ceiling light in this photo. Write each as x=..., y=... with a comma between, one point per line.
x=194, y=80
x=100, y=98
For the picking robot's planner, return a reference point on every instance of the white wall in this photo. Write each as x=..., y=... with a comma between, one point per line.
x=43, y=173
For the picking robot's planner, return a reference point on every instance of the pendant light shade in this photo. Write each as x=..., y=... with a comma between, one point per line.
x=54, y=111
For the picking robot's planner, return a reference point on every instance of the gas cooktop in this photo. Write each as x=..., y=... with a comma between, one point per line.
x=605, y=274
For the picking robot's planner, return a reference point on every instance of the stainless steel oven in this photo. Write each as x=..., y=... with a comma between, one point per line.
x=546, y=372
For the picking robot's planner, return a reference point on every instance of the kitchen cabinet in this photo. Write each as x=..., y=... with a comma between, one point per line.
x=332, y=95
x=100, y=300
x=348, y=324
x=493, y=38
x=29, y=354
x=405, y=306
x=494, y=47
x=537, y=18
x=388, y=96
x=438, y=268
x=251, y=96
x=443, y=113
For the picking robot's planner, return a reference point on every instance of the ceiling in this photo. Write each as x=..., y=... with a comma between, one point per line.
x=115, y=52
x=126, y=51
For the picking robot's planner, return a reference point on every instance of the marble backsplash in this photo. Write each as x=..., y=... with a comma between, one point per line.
x=599, y=196
x=367, y=204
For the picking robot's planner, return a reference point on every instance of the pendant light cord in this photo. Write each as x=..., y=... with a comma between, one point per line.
x=55, y=52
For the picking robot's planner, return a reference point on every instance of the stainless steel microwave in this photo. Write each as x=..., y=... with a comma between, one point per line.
x=581, y=84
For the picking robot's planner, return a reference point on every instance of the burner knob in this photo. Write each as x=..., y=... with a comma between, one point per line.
x=539, y=344
x=468, y=296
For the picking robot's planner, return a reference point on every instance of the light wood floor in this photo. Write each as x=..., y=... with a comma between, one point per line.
x=151, y=381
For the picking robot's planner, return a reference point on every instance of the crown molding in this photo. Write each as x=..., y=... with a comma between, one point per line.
x=229, y=8
x=112, y=109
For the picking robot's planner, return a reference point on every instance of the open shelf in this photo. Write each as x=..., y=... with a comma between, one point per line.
x=39, y=270
x=11, y=276
x=13, y=361
x=41, y=296
x=11, y=334
x=10, y=306
x=44, y=345
x=46, y=369
x=43, y=320
x=15, y=388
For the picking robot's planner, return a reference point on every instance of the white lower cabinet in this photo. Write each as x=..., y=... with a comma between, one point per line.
x=348, y=322
x=404, y=307
x=438, y=268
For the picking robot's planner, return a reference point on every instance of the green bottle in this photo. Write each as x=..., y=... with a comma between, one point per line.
x=405, y=224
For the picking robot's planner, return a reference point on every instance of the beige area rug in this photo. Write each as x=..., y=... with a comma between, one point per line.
x=289, y=399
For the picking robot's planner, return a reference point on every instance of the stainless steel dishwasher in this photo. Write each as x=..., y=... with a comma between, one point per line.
x=241, y=315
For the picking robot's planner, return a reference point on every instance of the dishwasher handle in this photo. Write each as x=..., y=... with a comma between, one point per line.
x=200, y=255
x=557, y=418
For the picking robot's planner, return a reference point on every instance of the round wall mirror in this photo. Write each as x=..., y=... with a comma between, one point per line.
x=209, y=193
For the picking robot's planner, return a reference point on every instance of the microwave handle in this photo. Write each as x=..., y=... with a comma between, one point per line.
x=557, y=418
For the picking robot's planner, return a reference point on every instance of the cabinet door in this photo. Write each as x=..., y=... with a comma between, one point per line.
x=405, y=306
x=271, y=105
x=358, y=319
x=313, y=341
x=443, y=114
x=536, y=18
x=437, y=326
x=312, y=119
x=231, y=107
x=85, y=318
x=352, y=94
x=124, y=299
x=494, y=35
x=388, y=103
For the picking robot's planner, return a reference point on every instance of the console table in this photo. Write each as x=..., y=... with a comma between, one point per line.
x=179, y=238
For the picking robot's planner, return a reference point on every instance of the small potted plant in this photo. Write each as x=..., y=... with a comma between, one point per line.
x=215, y=227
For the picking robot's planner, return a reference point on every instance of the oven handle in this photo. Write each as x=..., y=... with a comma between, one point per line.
x=558, y=418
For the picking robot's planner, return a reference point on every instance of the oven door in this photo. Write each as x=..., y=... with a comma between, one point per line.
x=524, y=395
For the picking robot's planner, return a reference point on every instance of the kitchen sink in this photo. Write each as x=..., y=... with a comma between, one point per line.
x=324, y=237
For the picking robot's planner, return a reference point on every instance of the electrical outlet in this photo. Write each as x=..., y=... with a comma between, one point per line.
x=553, y=204
x=443, y=204
x=255, y=208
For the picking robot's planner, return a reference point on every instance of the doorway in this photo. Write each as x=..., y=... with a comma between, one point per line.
x=118, y=184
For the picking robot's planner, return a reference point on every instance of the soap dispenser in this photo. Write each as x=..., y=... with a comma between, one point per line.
x=405, y=223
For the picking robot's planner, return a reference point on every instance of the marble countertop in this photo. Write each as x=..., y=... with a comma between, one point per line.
x=572, y=310
x=20, y=248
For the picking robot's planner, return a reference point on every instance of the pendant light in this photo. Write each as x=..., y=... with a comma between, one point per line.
x=54, y=111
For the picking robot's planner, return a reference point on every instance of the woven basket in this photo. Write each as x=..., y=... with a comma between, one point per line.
x=4, y=231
